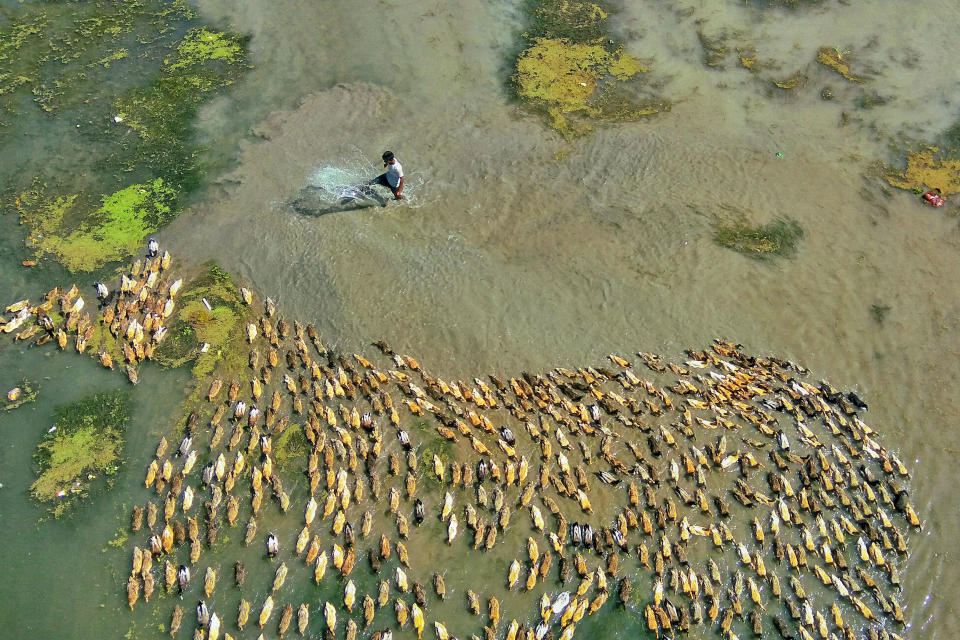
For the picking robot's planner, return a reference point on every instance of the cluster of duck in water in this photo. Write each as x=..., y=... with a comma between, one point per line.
x=726, y=438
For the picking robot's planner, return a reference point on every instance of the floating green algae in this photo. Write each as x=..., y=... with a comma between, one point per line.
x=61, y=51
x=62, y=56
x=88, y=441
x=202, y=45
x=20, y=32
x=573, y=72
x=564, y=77
x=111, y=232
x=776, y=238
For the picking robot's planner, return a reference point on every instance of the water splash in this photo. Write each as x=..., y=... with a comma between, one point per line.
x=345, y=185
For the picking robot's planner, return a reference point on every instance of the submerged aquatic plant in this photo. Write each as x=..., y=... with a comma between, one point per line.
x=87, y=441
x=573, y=20
x=715, y=48
x=776, y=238
x=879, y=312
x=785, y=4
x=291, y=448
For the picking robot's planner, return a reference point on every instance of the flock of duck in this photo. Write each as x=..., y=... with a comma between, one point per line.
x=725, y=494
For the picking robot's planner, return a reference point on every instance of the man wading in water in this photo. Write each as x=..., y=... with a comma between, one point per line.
x=393, y=177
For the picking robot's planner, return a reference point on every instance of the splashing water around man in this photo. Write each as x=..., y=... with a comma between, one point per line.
x=342, y=186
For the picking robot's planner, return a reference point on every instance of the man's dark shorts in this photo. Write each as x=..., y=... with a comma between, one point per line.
x=382, y=179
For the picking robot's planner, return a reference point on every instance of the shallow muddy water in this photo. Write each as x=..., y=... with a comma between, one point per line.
x=517, y=250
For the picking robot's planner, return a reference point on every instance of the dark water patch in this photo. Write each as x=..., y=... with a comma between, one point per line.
x=879, y=311
x=575, y=21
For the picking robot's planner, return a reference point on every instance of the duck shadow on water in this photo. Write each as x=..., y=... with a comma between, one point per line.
x=313, y=201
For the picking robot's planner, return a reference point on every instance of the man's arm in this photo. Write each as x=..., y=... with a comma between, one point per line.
x=400, y=189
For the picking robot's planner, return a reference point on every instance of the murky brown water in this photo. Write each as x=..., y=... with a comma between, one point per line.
x=506, y=258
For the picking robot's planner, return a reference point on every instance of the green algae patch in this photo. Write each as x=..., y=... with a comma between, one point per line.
x=162, y=113
x=87, y=443
x=179, y=347
x=834, y=58
x=22, y=32
x=202, y=45
x=568, y=79
x=927, y=168
x=574, y=73
x=776, y=238
x=111, y=232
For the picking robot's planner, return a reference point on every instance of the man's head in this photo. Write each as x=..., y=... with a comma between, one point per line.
x=388, y=156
